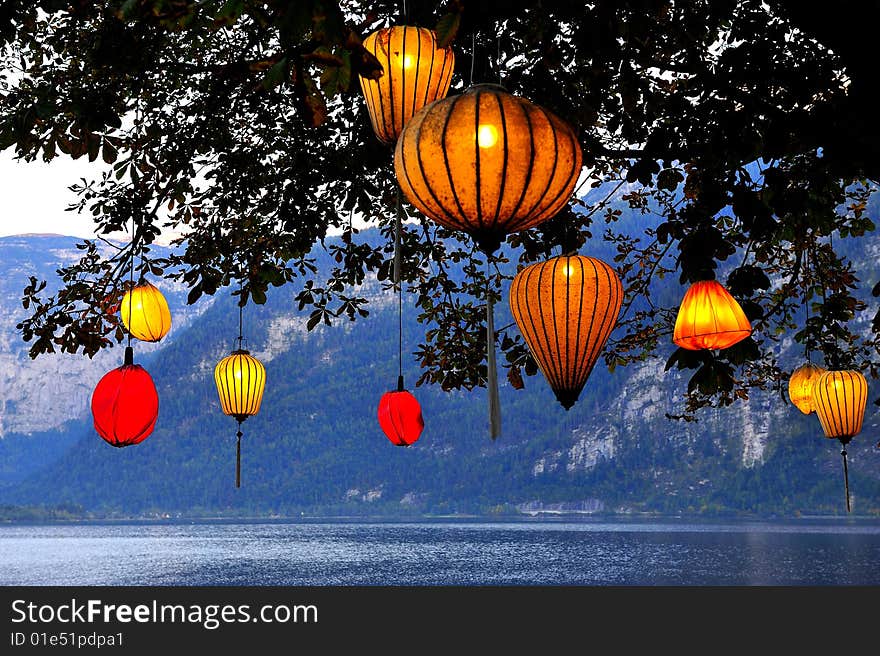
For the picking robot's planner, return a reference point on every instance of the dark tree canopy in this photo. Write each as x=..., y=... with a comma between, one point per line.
x=747, y=126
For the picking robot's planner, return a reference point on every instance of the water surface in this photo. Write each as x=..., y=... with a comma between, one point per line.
x=443, y=553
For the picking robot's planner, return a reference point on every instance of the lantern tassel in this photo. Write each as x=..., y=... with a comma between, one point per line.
x=846, y=478
x=492, y=377
x=238, y=458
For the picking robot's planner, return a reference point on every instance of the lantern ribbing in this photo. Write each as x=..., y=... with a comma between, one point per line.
x=416, y=72
x=566, y=309
x=839, y=398
x=487, y=163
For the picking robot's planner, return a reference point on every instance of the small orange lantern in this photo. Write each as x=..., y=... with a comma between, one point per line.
x=145, y=313
x=415, y=73
x=709, y=318
x=800, y=386
x=839, y=398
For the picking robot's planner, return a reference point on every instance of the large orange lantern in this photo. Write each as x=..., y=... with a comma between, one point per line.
x=839, y=398
x=800, y=386
x=709, y=318
x=145, y=313
x=566, y=309
x=488, y=163
x=241, y=381
x=415, y=73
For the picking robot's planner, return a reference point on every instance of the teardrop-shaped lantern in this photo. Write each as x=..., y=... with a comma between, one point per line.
x=839, y=398
x=241, y=381
x=488, y=163
x=125, y=404
x=800, y=386
x=400, y=417
x=145, y=313
x=709, y=318
x=566, y=309
x=415, y=73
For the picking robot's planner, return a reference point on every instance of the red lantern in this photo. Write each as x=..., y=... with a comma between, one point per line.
x=400, y=417
x=125, y=404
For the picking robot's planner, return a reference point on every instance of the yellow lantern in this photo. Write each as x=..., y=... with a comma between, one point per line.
x=839, y=398
x=416, y=73
x=709, y=318
x=566, y=309
x=145, y=313
x=241, y=381
x=800, y=386
x=488, y=163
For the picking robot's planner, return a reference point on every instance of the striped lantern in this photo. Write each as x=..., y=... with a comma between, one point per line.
x=839, y=398
x=145, y=313
x=487, y=163
x=800, y=386
x=566, y=309
x=241, y=381
x=415, y=73
x=709, y=318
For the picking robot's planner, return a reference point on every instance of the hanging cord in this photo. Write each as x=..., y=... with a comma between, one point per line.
x=498, y=54
x=807, y=305
x=492, y=368
x=845, y=476
x=398, y=221
x=473, y=55
x=131, y=281
x=240, y=312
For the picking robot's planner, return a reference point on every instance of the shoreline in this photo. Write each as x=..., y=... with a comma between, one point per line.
x=525, y=518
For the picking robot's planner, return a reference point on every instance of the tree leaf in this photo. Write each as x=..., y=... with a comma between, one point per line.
x=447, y=28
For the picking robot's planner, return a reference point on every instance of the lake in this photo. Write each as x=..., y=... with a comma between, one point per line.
x=563, y=552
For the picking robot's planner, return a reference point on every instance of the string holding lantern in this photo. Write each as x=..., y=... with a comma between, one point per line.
x=125, y=404
x=416, y=72
x=800, y=386
x=145, y=313
x=566, y=309
x=709, y=318
x=240, y=380
x=487, y=163
x=839, y=398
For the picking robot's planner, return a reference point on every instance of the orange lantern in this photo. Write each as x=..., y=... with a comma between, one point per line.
x=488, y=163
x=566, y=309
x=145, y=313
x=800, y=386
x=709, y=318
x=839, y=398
x=416, y=73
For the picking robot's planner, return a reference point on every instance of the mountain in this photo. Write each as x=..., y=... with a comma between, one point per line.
x=316, y=447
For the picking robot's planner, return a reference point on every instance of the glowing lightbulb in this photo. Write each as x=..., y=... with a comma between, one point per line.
x=407, y=62
x=487, y=136
x=568, y=270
